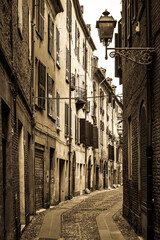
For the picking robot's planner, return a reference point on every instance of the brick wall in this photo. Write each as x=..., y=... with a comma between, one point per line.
x=135, y=92
x=155, y=16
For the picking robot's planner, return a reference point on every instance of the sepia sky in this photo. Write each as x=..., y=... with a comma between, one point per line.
x=92, y=11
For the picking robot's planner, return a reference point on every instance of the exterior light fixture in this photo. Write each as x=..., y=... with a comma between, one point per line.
x=140, y=55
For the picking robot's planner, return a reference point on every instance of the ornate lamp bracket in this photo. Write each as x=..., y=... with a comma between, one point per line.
x=143, y=56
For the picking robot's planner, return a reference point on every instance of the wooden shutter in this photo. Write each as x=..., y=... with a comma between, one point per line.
x=87, y=130
x=41, y=85
x=58, y=110
x=67, y=65
x=128, y=19
x=75, y=37
x=66, y=119
x=67, y=19
x=50, y=96
x=78, y=130
x=70, y=15
x=29, y=35
x=41, y=18
x=50, y=35
x=57, y=47
x=82, y=130
x=71, y=122
x=95, y=137
x=20, y=16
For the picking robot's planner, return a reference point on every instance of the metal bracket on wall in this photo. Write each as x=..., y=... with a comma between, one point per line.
x=143, y=56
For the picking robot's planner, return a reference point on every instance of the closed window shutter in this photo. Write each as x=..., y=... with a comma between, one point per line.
x=70, y=15
x=58, y=110
x=41, y=18
x=76, y=140
x=20, y=16
x=128, y=19
x=41, y=85
x=71, y=123
x=75, y=37
x=29, y=36
x=67, y=65
x=57, y=47
x=95, y=137
x=50, y=96
x=67, y=13
x=66, y=119
x=82, y=131
x=50, y=35
x=78, y=130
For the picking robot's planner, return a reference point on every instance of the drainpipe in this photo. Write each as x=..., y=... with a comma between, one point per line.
x=149, y=141
x=32, y=104
x=85, y=111
x=69, y=180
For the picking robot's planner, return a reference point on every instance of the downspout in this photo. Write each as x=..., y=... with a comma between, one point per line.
x=69, y=180
x=85, y=113
x=149, y=119
x=32, y=104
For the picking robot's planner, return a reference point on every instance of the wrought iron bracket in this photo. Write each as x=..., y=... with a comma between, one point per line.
x=140, y=55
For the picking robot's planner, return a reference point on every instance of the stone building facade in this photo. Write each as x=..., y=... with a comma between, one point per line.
x=140, y=28
x=15, y=117
x=107, y=115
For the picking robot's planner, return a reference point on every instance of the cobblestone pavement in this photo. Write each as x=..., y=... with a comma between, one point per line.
x=80, y=221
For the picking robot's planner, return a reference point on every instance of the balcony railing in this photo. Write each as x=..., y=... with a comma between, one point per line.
x=80, y=95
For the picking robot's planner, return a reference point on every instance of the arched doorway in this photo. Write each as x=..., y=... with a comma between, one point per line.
x=143, y=171
x=73, y=174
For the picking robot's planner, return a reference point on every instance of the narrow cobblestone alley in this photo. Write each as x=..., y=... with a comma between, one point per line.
x=77, y=219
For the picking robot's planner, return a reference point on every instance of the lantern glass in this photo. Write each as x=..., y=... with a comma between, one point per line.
x=106, y=30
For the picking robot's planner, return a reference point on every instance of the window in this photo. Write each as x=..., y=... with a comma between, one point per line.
x=58, y=111
x=57, y=48
x=41, y=85
x=69, y=15
x=50, y=94
x=40, y=17
x=67, y=64
x=29, y=36
x=50, y=36
x=20, y=16
x=129, y=147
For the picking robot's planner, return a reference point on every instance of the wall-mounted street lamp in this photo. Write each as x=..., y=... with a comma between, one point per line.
x=140, y=55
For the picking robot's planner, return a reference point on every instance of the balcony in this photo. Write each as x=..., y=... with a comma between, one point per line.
x=73, y=82
x=80, y=96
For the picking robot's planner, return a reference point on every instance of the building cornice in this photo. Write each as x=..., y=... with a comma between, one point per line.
x=82, y=23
